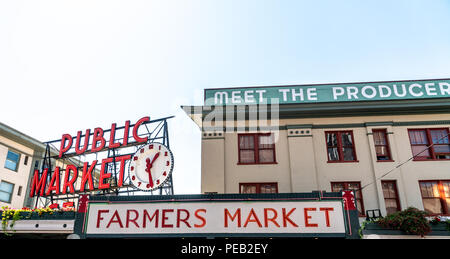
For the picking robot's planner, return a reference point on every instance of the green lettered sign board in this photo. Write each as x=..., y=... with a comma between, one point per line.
x=351, y=92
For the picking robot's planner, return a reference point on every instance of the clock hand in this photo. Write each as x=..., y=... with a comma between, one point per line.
x=147, y=169
x=154, y=158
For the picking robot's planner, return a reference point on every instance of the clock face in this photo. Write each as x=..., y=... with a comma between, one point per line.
x=150, y=166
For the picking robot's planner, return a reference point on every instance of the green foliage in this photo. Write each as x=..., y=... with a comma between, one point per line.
x=412, y=221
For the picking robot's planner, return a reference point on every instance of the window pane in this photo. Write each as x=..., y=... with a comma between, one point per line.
x=5, y=197
x=346, y=139
x=441, y=148
x=247, y=156
x=382, y=151
x=446, y=187
x=379, y=138
x=391, y=206
x=418, y=137
x=333, y=154
x=348, y=154
x=10, y=165
x=248, y=188
x=332, y=140
x=266, y=156
x=439, y=136
x=268, y=188
x=432, y=205
x=6, y=190
x=421, y=151
x=13, y=156
x=266, y=141
x=246, y=142
x=337, y=187
x=6, y=187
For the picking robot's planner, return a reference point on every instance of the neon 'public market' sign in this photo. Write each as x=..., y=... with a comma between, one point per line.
x=39, y=185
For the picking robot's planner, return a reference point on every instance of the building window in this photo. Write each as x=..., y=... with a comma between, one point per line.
x=12, y=160
x=436, y=196
x=390, y=194
x=6, y=191
x=421, y=139
x=340, y=146
x=356, y=188
x=381, y=145
x=258, y=148
x=258, y=188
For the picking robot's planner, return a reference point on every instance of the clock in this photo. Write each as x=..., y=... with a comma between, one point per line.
x=150, y=166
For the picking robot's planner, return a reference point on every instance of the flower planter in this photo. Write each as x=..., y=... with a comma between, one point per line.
x=372, y=228
x=439, y=227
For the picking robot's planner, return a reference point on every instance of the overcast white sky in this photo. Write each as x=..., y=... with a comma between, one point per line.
x=71, y=65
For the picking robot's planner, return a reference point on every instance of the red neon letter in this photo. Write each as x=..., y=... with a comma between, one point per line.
x=307, y=217
x=99, y=216
x=67, y=182
x=86, y=142
x=98, y=136
x=327, y=215
x=136, y=127
x=38, y=185
x=87, y=176
x=122, y=160
x=54, y=183
x=126, y=131
x=237, y=214
x=112, y=134
x=104, y=175
x=63, y=149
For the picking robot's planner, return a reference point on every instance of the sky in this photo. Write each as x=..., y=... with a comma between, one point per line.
x=67, y=66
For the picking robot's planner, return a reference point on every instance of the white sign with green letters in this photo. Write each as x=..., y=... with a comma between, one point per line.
x=375, y=91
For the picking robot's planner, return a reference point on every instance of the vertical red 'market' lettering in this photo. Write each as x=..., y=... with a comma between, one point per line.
x=38, y=185
x=67, y=182
x=87, y=176
x=122, y=160
x=54, y=182
x=103, y=175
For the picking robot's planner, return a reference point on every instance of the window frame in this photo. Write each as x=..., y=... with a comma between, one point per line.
x=256, y=149
x=17, y=163
x=430, y=142
x=258, y=186
x=442, y=197
x=397, y=198
x=345, y=184
x=387, y=145
x=340, y=147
